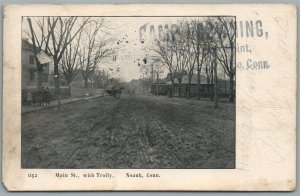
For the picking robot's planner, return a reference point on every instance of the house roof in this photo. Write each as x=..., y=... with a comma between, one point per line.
x=26, y=45
x=175, y=82
x=42, y=56
x=194, y=80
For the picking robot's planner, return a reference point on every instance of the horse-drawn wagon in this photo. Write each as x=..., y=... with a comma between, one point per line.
x=114, y=90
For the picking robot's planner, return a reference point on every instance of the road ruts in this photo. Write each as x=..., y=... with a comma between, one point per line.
x=131, y=132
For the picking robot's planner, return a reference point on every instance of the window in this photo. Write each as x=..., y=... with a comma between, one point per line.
x=31, y=59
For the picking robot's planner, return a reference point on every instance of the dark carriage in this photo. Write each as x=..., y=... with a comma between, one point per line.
x=114, y=90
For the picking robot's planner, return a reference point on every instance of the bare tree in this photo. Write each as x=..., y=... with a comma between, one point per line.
x=100, y=78
x=57, y=33
x=70, y=60
x=180, y=46
x=164, y=54
x=172, y=53
x=94, y=47
x=60, y=29
x=201, y=41
x=226, y=40
x=158, y=69
x=40, y=40
x=187, y=35
x=209, y=72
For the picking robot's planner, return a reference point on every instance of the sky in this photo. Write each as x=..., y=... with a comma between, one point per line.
x=134, y=44
x=131, y=51
x=136, y=36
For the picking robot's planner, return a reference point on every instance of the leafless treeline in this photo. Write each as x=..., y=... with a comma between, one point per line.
x=79, y=44
x=198, y=46
x=76, y=44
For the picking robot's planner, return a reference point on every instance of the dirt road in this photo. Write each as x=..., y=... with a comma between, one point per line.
x=131, y=132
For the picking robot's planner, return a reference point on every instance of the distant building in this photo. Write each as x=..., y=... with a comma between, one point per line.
x=29, y=66
x=206, y=88
x=162, y=88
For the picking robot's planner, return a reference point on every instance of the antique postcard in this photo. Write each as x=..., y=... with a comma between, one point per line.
x=149, y=97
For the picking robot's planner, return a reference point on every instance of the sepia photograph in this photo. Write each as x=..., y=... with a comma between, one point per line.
x=128, y=92
x=149, y=97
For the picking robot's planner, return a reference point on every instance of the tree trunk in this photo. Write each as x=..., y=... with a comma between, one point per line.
x=179, y=90
x=189, y=87
x=56, y=82
x=225, y=87
x=173, y=86
x=70, y=90
x=39, y=75
x=212, y=84
x=216, y=80
x=86, y=85
x=231, y=93
x=68, y=80
x=172, y=90
x=198, y=82
x=56, y=78
x=198, y=72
